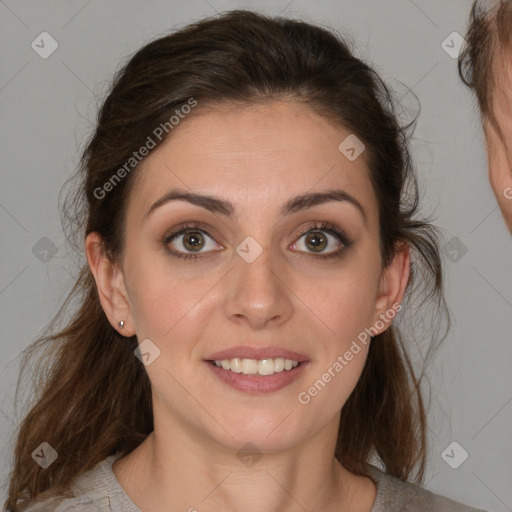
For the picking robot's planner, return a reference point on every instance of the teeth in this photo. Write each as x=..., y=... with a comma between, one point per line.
x=279, y=364
x=257, y=367
x=236, y=365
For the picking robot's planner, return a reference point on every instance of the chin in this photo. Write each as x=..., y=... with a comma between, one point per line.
x=267, y=432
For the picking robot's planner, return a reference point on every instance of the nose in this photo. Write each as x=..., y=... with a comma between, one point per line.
x=257, y=293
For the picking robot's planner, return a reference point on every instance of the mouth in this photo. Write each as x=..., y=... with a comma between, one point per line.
x=257, y=370
x=259, y=367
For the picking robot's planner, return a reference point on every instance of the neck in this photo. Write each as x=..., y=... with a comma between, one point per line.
x=196, y=474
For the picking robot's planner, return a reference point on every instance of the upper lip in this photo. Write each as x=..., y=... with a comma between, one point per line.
x=246, y=352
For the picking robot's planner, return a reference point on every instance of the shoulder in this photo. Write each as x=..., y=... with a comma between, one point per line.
x=397, y=495
x=96, y=490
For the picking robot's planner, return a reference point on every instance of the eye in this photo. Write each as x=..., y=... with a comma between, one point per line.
x=188, y=242
x=191, y=241
x=316, y=238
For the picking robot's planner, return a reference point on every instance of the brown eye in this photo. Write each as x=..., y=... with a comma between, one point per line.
x=193, y=241
x=189, y=241
x=316, y=241
x=323, y=241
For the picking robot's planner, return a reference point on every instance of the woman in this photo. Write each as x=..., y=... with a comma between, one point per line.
x=249, y=206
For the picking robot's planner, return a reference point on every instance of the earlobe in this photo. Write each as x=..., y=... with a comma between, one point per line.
x=392, y=286
x=110, y=285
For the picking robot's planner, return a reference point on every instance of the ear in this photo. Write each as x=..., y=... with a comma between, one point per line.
x=392, y=286
x=110, y=284
x=500, y=170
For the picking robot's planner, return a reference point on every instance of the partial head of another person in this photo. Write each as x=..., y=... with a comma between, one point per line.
x=485, y=65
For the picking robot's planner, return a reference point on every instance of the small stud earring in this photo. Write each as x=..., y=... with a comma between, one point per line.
x=121, y=324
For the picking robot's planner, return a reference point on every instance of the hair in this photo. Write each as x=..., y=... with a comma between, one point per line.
x=488, y=39
x=94, y=397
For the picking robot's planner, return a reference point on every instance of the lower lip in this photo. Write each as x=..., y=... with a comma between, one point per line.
x=258, y=383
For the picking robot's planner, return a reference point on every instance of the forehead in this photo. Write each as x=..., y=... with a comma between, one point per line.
x=255, y=154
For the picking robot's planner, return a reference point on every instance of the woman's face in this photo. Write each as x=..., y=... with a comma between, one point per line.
x=255, y=276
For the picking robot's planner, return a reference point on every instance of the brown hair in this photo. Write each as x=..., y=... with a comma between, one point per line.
x=94, y=396
x=488, y=38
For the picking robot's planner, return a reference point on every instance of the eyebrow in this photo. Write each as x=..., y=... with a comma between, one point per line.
x=224, y=207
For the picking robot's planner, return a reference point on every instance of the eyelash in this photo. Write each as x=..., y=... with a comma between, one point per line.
x=192, y=227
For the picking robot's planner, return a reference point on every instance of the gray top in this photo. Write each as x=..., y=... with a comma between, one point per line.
x=98, y=490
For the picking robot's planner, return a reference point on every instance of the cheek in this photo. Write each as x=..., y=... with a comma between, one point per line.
x=160, y=308
x=168, y=301
x=330, y=384
x=171, y=310
x=345, y=308
x=340, y=302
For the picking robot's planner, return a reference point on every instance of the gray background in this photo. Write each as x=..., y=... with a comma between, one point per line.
x=48, y=106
